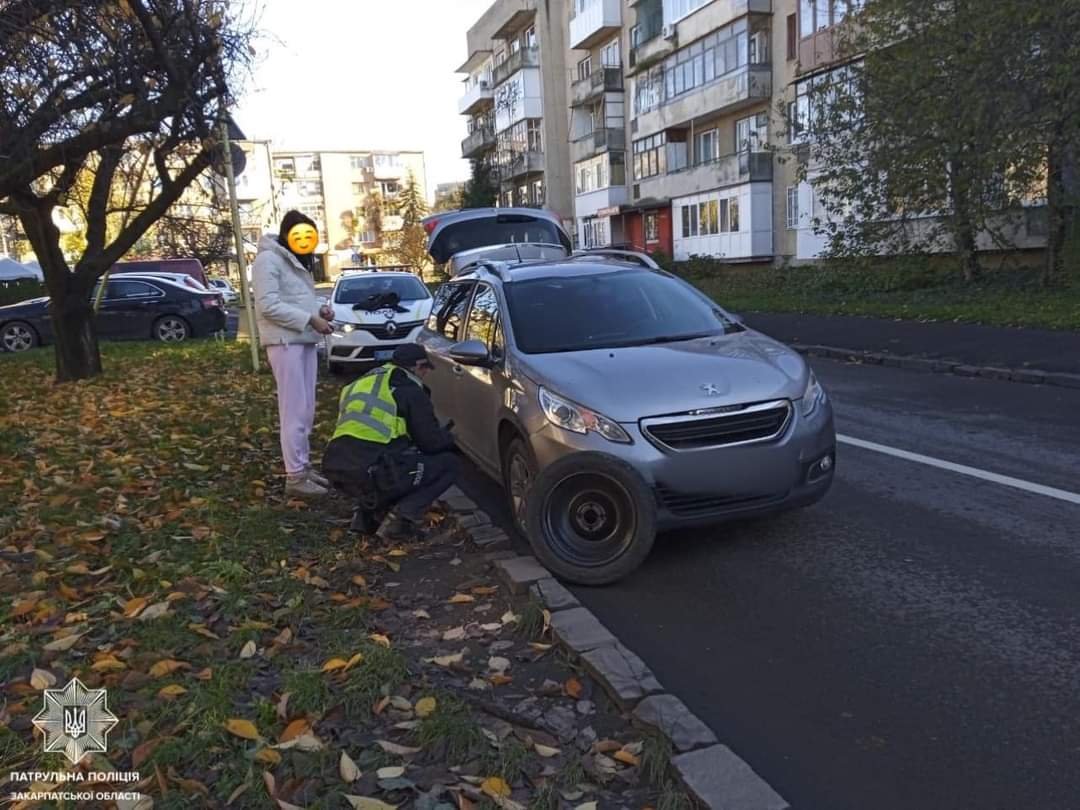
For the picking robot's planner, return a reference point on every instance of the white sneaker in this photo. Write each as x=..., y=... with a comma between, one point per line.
x=300, y=486
x=318, y=478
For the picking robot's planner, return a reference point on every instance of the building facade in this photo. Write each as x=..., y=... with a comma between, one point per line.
x=515, y=102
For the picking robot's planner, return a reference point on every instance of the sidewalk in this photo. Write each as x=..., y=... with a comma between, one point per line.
x=968, y=344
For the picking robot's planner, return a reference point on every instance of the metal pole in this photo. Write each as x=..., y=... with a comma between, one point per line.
x=238, y=234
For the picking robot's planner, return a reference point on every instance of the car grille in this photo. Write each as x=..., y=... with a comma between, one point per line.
x=378, y=331
x=752, y=423
x=688, y=504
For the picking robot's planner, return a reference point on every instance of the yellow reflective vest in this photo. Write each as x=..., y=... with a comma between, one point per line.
x=367, y=410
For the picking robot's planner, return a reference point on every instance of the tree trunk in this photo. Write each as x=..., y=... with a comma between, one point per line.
x=77, y=355
x=1057, y=224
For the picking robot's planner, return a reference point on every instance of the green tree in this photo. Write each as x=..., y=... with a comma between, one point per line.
x=409, y=245
x=482, y=189
x=908, y=149
x=88, y=90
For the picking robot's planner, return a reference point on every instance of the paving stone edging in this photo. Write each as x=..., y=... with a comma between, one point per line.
x=1020, y=375
x=712, y=773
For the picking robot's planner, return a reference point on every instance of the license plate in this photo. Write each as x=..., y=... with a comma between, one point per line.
x=384, y=354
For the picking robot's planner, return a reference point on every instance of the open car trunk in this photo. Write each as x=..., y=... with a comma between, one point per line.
x=508, y=229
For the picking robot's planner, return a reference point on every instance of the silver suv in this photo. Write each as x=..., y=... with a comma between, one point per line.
x=612, y=399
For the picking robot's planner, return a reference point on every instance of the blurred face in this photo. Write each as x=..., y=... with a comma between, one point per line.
x=422, y=369
x=302, y=239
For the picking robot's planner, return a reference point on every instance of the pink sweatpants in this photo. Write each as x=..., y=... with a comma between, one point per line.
x=295, y=367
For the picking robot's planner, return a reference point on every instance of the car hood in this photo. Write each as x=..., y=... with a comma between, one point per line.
x=627, y=384
x=27, y=307
x=414, y=311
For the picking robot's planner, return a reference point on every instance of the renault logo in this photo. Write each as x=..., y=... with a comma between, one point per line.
x=391, y=328
x=711, y=390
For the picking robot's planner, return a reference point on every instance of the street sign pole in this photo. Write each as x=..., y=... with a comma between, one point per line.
x=238, y=235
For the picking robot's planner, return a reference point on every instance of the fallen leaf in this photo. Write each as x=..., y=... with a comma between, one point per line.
x=421, y=614
x=108, y=664
x=510, y=618
x=283, y=638
x=447, y=660
x=205, y=674
x=294, y=730
x=498, y=664
x=381, y=640
x=586, y=806
x=397, y=552
x=461, y=599
x=334, y=664
x=574, y=688
x=394, y=748
x=167, y=666
x=401, y=704
x=305, y=742
x=242, y=728
x=133, y=607
x=626, y=758
x=546, y=751
x=347, y=768
x=248, y=650
x=356, y=659
x=540, y=648
x=485, y=590
x=155, y=612
x=365, y=803
x=171, y=692
x=495, y=787
x=359, y=581
x=236, y=794
x=42, y=679
x=425, y=706
x=142, y=752
x=498, y=679
x=390, y=773
x=380, y=705
x=268, y=756
x=605, y=746
x=454, y=634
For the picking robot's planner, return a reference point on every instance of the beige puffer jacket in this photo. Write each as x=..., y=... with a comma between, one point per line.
x=284, y=295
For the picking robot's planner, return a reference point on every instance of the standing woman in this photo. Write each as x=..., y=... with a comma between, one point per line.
x=290, y=323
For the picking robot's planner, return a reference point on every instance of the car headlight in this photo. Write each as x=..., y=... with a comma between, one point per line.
x=813, y=396
x=579, y=419
x=341, y=326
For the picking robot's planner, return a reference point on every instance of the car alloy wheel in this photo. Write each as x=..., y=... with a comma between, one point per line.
x=519, y=480
x=171, y=329
x=18, y=337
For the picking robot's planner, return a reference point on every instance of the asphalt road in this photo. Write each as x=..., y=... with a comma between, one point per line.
x=910, y=643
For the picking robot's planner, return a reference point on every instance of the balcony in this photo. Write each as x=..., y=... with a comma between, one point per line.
x=647, y=45
x=388, y=171
x=525, y=58
x=599, y=19
x=478, y=96
x=600, y=81
x=479, y=140
x=745, y=87
x=600, y=202
x=596, y=142
x=726, y=171
x=522, y=164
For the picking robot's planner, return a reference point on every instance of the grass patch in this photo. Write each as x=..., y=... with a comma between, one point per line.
x=655, y=759
x=452, y=725
x=917, y=288
x=673, y=797
x=531, y=623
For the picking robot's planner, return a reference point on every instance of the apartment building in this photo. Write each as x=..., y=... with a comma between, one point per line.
x=515, y=102
x=337, y=189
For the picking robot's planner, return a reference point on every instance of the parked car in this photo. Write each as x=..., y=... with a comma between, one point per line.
x=223, y=286
x=136, y=307
x=375, y=311
x=189, y=267
x=614, y=400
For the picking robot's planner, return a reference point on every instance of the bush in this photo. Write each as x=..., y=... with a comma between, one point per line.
x=12, y=292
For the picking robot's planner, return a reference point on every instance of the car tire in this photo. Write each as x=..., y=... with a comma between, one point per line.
x=18, y=336
x=591, y=518
x=171, y=329
x=519, y=469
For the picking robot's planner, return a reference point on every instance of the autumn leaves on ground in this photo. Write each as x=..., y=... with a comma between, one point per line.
x=255, y=653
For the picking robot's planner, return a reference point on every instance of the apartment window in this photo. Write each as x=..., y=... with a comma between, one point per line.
x=389, y=188
x=733, y=215
x=689, y=221
x=707, y=146
x=650, y=157
x=311, y=211
x=515, y=46
x=538, y=192
x=806, y=18
x=708, y=218
x=358, y=162
x=387, y=161
x=675, y=10
x=366, y=237
x=752, y=133
x=792, y=208
x=792, y=37
x=357, y=189
x=308, y=164
x=652, y=227
x=285, y=166
x=609, y=55
x=584, y=68
x=814, y=96
x=596, y=233
x=530, y=37
x=534, y=135
x=310, y=188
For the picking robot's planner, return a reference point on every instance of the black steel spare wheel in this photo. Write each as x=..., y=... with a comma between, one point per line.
x=591, y=518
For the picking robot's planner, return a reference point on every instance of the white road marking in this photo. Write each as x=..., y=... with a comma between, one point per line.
x=963, y=469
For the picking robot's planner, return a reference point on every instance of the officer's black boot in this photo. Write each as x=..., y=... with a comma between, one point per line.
x=364, y=521
x=398, y=529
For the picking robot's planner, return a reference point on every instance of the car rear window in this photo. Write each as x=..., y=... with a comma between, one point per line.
x=487, y=231
x=606, y=310
x=358, y=290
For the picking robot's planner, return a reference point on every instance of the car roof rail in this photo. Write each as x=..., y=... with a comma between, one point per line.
x=626, y=255
x=496, y=268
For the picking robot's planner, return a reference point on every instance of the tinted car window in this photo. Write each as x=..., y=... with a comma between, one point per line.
x=484, y=315
x=356, y=290
x=487, y=231
x=622, y=308
x=130, y=289
x=450, y=318
x=442, y=295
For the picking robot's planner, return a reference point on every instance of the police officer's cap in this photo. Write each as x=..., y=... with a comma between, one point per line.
x=407, y=355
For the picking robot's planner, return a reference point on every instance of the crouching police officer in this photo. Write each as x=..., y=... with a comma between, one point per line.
x=389, y=450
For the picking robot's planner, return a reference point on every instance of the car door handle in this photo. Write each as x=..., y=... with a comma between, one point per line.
x=458, y=370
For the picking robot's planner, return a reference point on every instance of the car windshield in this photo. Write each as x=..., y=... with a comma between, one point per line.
x=609, y=310
x=358, y=290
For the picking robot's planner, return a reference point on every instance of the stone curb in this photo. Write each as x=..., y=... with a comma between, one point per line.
x=711, y=772
x=1020, y=375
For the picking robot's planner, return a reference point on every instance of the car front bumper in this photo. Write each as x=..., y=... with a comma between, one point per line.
x=361, y=347
x=700, y=487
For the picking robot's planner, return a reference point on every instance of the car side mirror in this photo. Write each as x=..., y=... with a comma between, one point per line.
x=471, y=353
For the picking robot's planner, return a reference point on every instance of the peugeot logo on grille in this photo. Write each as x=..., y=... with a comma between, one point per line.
x=391, y=328
x=711, y=390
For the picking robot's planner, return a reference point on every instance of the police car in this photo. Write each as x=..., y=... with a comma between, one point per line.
x=375, y=311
